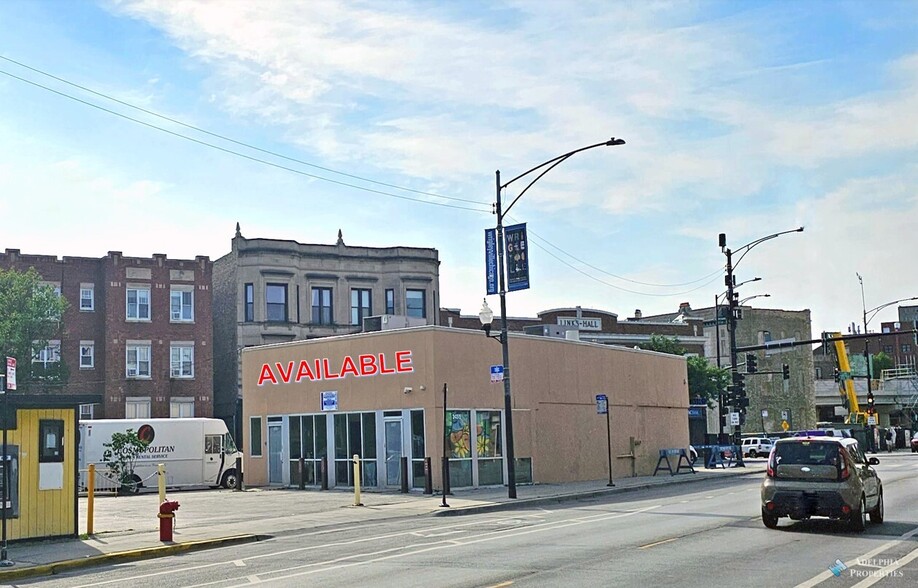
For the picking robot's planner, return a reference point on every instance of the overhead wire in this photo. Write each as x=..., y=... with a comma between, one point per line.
x=230, y=139
x=329, y=170
x=237, y=153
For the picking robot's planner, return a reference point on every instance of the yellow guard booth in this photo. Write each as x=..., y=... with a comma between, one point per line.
x=41, y=456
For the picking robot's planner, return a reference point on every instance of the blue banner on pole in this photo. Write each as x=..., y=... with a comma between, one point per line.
x=517, y=257
x=491, y=259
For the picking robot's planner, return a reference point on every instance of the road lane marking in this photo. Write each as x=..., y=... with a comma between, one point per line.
x=657, y=543
x=888, y=571
x=501, y=585
x=820, y=578
x=346, y=561
x=239, y=563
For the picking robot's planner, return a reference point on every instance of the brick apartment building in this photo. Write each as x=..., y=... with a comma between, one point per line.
x=138, y=331
x=276, y=290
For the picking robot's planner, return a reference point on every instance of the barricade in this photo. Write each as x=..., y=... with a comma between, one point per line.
x=719, y=455
x=664, y=459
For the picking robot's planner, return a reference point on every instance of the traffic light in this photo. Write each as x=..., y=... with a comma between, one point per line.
x=751, y=363
x=785, y=372
x=739, y=384
x=742, y=402
x=870, y=401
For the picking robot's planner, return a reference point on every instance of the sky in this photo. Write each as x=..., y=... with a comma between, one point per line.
x=154, y=126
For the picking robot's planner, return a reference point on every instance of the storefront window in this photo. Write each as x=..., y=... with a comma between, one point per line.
x=307, y=440
x=459, y=447
x=488, y=448
x=418, y=453
x=355, y=433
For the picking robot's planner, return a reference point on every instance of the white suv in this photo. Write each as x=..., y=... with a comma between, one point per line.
x=757, y=446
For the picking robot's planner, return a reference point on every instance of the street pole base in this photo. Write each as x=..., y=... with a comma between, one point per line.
x=610, y=484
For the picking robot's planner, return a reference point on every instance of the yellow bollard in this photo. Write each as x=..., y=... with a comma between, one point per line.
x=161, y=473
x=357, y=480
x=90, y=487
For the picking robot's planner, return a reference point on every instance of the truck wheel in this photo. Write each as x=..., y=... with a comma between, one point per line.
x=753, y=453
x=230, y=480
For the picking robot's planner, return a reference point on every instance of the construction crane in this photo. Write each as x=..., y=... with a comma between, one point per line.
x=846, y=383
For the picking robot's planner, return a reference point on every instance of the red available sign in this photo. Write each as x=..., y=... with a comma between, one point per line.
x=367, y=364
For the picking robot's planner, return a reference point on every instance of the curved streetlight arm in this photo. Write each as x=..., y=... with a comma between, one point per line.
x=748, y=246
x=748, y=298
x=552, y=163
x=873, y=311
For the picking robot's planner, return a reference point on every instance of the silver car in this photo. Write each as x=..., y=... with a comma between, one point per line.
x=824, y=477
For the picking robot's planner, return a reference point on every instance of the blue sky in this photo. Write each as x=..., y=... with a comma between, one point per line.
x=746, y=118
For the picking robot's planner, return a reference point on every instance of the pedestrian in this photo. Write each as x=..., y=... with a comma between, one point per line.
x=889, y=440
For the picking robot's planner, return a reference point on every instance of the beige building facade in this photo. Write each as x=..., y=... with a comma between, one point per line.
x=425, y=392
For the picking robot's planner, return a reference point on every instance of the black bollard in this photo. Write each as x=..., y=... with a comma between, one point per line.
x=428, y=479
x=239, y=483
x=323, y=466
x=302, y=473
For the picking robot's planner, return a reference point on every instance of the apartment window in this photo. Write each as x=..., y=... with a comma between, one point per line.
x=416, y=303
x=322, y=306
x=87, y=355
x=390, y=301
x=138, y=303
x=137, y=408
x=276, y=298
x=249, y=303
x=138, y=361
x=181, y=408
x=87, y=297
x=87, y=411
x=360, y=305
x=181, y=361
x=47, y=355
x=181, y=305
x=255, y=436
x=888, y=349
x=906, y=348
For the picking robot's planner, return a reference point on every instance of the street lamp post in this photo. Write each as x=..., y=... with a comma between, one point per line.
x=732, y=297
x=501, y=213
x=873, y=313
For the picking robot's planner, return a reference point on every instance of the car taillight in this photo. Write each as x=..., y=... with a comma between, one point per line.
x=843, y=472
x=770, y=468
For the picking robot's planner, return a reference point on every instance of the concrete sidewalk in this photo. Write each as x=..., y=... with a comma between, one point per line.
x=126, y=528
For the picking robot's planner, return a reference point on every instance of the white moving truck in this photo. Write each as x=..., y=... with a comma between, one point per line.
x=195, y=451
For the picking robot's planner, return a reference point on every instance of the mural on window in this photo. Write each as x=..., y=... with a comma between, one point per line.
x=459, y=433
x=488, y=433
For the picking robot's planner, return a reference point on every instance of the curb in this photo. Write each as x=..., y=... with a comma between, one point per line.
x=126, y=556
x=558, y=498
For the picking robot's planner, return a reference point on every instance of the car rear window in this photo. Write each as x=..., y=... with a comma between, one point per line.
x=806, y=453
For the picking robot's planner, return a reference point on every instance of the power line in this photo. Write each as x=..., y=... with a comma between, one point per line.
x=329, y=170
x=229, y=139
x=237, y=153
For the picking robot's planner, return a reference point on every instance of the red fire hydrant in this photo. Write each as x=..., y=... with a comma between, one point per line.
x=167, y=519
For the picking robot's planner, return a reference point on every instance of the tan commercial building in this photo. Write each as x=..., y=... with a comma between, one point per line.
x=381, y=396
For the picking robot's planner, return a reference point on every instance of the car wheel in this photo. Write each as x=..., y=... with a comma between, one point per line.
x=753, y=453
x=769, y=520
x=876, y=515
x=858, y=520
x=230, y=480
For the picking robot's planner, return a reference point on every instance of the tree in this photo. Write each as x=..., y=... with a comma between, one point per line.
x=705, y=381
x=881, y=362
x=120, y=455
x=30, y=317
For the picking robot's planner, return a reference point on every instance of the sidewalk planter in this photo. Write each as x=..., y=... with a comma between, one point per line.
x=380, y=395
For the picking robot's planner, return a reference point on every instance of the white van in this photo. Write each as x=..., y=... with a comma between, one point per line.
x=195, y=451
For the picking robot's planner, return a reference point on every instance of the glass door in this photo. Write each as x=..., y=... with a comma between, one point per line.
x=275, y=452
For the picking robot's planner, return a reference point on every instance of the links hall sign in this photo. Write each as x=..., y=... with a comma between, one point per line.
x=319, y=369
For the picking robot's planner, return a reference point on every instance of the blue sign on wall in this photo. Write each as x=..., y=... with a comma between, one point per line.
x=602, y=404
x=517, y=257
x=329, y=401
x=491, y=260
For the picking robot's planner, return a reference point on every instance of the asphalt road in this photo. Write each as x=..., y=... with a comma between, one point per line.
x=702, y=534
